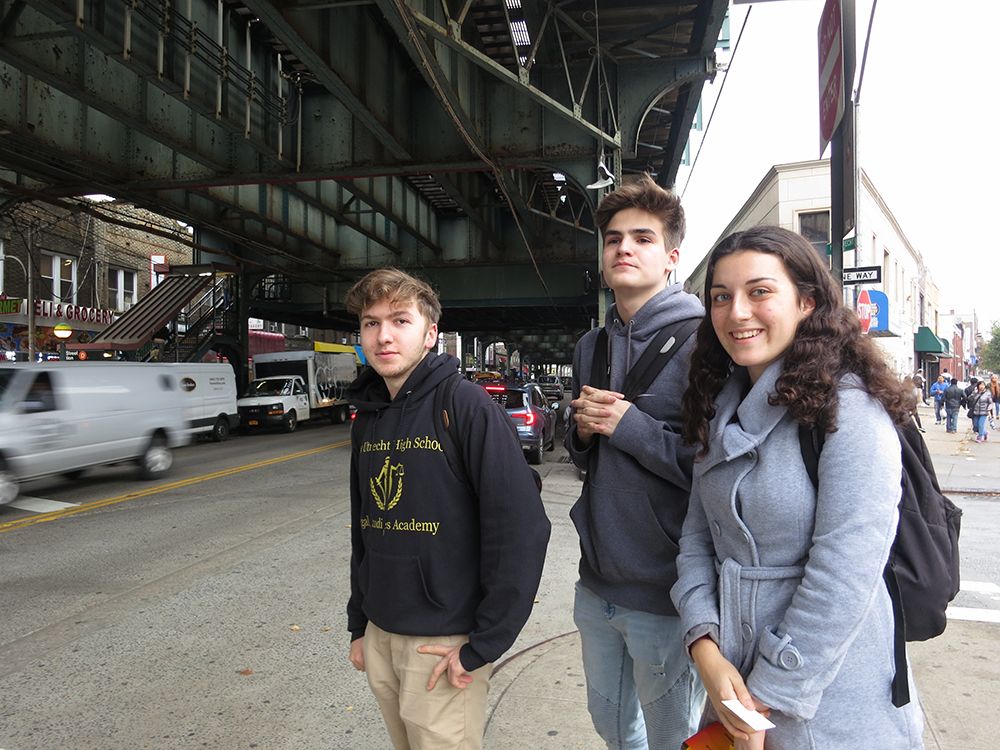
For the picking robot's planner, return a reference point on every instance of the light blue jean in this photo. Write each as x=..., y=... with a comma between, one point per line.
x=952, y=421
x=642, y=690
x=980, y=423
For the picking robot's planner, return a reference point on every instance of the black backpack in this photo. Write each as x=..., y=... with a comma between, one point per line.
x=444, y=410
x=922, y=573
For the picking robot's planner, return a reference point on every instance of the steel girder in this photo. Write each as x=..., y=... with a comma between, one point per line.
x=418, y=132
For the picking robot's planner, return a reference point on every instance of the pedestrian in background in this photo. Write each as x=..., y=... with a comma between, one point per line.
x=980, y=405
x=444, y=567
x=910, y=387
x=995, y=394
x=918, y=381
x=937, y=393
x=954, y=400
x=780, y=583
x=969, y=390
x=642, y=690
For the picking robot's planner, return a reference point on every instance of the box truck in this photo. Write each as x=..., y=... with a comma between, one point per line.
x=292, y=387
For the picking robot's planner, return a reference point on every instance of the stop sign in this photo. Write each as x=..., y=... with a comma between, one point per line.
x=865, y=310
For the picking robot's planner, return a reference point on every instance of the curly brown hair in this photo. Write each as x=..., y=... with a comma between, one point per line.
x=395, y=286
x=828, y=344
x=643, y=193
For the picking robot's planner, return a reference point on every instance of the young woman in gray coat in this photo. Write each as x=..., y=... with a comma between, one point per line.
x=780, y=587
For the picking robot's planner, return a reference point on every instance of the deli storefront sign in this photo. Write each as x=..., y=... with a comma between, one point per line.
x=71, y=313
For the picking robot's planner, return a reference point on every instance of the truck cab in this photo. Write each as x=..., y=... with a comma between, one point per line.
x=276, y=401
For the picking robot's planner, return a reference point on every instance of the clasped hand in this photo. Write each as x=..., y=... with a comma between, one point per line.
x=598, y=412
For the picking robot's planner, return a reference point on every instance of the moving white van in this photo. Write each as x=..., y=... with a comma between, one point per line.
x=63, y=417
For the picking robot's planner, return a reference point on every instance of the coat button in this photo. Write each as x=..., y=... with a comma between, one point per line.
x=717, y=527
x=747, y=632
x=790, y=658
x=752, y=455
x=746, y=537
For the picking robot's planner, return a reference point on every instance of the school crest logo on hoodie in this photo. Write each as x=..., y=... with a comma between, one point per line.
x=387, y=487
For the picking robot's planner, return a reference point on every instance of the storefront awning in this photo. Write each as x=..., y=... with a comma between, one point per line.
x=928, y=343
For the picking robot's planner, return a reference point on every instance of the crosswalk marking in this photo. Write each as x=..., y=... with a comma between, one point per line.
x=39, y=504
x=980, y=587
x=972, y=614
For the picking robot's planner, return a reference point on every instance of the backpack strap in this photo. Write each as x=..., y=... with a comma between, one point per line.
x=811, y=441
x=444, y=419
x=660, y=350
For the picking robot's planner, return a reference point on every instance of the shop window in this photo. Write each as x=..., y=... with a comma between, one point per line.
x=121, y=289
x=58, y=278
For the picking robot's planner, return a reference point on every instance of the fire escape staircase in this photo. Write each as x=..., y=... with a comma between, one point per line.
x=195, y=305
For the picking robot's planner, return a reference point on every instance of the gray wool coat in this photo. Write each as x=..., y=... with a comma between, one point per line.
x=788, y=581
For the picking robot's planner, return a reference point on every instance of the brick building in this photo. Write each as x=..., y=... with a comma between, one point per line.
x=86, y=270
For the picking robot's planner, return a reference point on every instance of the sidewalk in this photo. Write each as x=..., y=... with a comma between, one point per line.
x=538, y=695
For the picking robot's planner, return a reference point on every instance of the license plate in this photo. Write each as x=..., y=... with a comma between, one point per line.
x=251, y=422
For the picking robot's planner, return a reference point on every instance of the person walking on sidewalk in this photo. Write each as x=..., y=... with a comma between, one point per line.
x=970, y=389
x=918, y=382
x=937, y=393
x=980, y=405
x=995, y=396
x=642, y=691
x=444, y=567
x=780, y=586
x=910, y=386
x=954, y=400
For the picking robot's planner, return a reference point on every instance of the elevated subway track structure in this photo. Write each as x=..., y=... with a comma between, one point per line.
x=309, y=141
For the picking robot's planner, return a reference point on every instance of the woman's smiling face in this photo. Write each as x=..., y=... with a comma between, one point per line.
x=756, y=308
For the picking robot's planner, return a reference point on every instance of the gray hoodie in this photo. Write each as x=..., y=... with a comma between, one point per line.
x=630, y=512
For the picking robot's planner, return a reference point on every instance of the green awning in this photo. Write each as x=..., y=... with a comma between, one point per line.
x=928, y=343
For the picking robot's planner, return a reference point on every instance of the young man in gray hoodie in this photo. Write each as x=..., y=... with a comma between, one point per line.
x=642, y=689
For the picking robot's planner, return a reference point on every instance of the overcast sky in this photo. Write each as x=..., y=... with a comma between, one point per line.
x=926, y=134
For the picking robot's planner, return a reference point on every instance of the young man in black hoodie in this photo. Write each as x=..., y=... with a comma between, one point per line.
x=642, y=689
x=444, y=567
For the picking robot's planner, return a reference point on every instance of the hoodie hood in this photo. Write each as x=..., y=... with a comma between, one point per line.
x=628, y=340
x=369, y=392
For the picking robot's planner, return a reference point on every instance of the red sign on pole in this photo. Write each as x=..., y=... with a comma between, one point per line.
x=865, y=310
x=831, y=72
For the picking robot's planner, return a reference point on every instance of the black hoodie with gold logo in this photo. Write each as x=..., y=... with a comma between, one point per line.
x=434, y=553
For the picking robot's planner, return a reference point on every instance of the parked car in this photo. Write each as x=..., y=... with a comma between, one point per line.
x=551, y=386
x=533, y=416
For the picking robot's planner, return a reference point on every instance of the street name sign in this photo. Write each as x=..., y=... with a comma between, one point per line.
x=863, y=275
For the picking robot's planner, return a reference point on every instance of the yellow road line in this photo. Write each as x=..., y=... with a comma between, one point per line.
x=94, y=505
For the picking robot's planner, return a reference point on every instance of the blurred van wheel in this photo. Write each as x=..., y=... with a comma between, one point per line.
x=220, y=431
x=157, y=459
x=9, y=486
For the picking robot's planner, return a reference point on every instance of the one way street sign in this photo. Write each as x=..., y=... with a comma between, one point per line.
x=863, y=275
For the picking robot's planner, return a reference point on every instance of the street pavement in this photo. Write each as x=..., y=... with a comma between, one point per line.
x=538, y=695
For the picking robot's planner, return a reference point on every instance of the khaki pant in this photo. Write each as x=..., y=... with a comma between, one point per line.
x=444, y=718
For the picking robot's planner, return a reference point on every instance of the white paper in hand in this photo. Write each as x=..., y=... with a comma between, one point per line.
x=755, y=719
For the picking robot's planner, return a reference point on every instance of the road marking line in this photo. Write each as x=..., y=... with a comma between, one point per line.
x=980, y=587
x=39, y=504
x=96, y=504
x=971, y=614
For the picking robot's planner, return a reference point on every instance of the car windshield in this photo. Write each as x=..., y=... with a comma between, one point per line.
x=507, y=399
x=269, y=388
